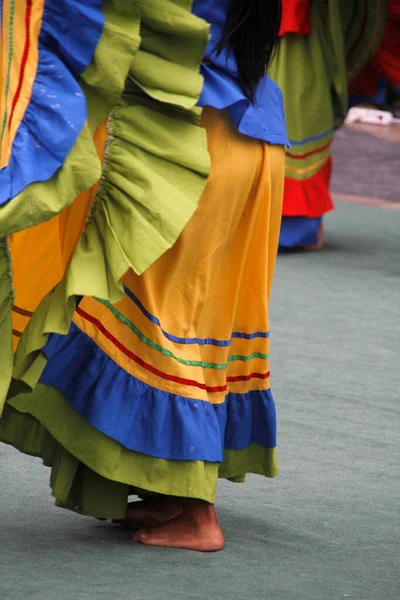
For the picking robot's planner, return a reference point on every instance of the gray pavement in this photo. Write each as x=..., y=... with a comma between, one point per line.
x=366, y=161
x=328, y=527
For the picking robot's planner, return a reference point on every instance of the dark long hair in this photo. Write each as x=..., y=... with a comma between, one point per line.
x=251, y=33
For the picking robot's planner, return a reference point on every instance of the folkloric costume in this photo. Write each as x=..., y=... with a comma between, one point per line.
x=383, y=70
x=323, y=45
x=138, y=241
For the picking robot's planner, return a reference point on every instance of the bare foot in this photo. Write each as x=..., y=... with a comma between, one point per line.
x=149, y=513
x=196, y=528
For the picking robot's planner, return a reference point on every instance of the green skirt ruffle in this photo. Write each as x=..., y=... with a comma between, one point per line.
x=145, y=81
x=93, y=474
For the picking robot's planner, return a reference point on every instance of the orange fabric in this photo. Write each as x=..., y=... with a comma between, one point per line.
x=296, y=17
x=215, y=280
x=16, y=84
x=40, y=255
x=310, y=197
x=72, y=220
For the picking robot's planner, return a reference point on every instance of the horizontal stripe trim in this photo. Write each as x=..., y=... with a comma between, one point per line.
x=161, y=374
x=21, y=311
x=148, y=420
x=247, y=357
x=306, y=170
x=248, y=377
x=165, y=352
x=16, y=333
x=311, y=153
x=199, y=341
x=314, y=138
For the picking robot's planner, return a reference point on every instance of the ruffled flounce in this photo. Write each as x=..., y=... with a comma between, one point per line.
x=119, y=405
x=93, y=474
x=148, y=191
x=264, y=120
x=154, y=173
x=6, y=300
x=56, y=113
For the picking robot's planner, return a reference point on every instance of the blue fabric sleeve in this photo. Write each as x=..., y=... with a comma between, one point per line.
x=264, y=119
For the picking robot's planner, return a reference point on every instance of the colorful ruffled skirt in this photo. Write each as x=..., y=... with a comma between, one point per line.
x=313, y=71
x=135, y=273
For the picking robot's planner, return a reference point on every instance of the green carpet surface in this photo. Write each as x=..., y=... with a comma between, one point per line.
x=329, y=526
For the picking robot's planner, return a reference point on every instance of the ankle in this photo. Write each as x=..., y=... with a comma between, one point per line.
x=199, y=511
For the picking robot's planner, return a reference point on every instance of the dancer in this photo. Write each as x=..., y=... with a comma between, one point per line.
x=379, y=82
x=140, y=208
x=322, y=46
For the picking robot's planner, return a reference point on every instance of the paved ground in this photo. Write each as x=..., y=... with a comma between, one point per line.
x=328, y=528
x=366, y=162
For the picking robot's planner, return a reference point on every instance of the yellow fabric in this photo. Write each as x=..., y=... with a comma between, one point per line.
x=22, y=73
x=41, y=254
x=215, y=280
x=156, y=170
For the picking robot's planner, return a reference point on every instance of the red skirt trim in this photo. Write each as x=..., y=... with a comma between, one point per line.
x=296, y=17
x=310, y=197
